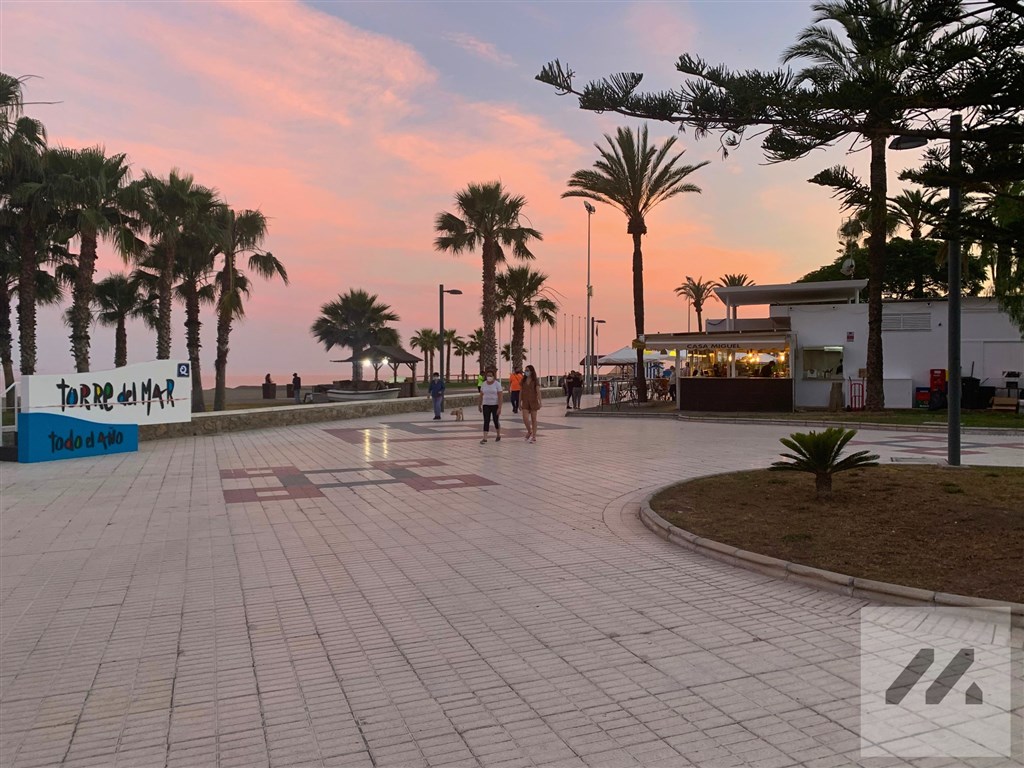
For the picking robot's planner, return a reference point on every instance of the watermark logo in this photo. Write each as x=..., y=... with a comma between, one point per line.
x=935, y=682
x=183, y=370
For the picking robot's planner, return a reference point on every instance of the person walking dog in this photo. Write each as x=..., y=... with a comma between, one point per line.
x=530, y=402
x=490, y=404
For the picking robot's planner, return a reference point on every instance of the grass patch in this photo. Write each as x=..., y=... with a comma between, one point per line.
x=958, y=530
x=895, y=417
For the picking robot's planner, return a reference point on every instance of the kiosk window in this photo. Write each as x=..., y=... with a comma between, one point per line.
x=822, y=362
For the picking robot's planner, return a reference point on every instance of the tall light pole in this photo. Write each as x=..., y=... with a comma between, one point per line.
x=440, y=321
x=955, y=279
x=594, y=322
x=588, y=364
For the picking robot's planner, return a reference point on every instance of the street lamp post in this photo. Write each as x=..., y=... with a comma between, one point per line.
x=594, y=322
x=955, y=279
x=588, y=364
x=440, y=302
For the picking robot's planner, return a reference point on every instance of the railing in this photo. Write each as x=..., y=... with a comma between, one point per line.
x=13, y=426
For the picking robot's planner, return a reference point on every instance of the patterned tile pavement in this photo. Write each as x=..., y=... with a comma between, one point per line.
x=397, y=595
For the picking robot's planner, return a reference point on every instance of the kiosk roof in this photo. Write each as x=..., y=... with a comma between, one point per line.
x=792, y=293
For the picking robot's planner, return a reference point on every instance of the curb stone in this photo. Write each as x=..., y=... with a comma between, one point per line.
x=851, y=586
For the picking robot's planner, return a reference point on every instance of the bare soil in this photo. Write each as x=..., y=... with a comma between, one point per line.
x=950, y=529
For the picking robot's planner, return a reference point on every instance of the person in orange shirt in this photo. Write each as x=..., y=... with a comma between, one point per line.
x=515, y=387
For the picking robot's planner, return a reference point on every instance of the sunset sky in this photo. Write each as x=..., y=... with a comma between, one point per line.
x=351, y=125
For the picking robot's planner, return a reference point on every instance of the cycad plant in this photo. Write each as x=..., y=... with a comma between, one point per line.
x=819, y=454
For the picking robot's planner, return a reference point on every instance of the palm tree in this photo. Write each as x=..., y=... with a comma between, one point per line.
x=698, y=292
x=507, y=353
x=634, y=176
x=450, y=336
x=96, y=200
x=871, y=61
x=195, y=288
x=522, y=296
x=428, y=341
x=914, y=210
x=462, y=351
x=175, y=205
x=237, y=234
x=120, y=297
x=46, y=290
x=355, y=320
x=27, y=213
x=728, y=281
x=488, y=217
x=475, y=345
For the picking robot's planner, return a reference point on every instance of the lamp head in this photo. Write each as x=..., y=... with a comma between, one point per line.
x=589, y=207
x=907, y=142
x=454, y=292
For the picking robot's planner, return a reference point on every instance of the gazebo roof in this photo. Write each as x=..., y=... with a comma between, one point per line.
x=376, y=352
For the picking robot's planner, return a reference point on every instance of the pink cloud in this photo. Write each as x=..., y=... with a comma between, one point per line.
x=480, y=49
x=348, y=143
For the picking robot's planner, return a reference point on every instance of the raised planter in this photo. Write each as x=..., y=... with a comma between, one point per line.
x=851, y=586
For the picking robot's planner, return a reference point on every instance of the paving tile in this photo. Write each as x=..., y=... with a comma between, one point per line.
x=390, y=592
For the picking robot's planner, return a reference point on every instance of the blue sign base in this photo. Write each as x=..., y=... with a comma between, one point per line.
x=49, y=437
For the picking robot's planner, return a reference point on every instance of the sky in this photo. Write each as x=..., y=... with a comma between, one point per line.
x=352, y=124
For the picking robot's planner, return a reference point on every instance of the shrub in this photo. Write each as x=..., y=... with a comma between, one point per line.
x=818, y=453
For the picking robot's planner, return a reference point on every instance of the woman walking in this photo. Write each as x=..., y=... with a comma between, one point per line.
x=490, y=404
x=577, y=389
x=529, y=402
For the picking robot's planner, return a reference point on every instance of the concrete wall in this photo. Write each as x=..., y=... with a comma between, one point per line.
x=991, y=343
x=284, y=416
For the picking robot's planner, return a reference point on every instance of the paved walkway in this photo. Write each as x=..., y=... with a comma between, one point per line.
x=395, y=594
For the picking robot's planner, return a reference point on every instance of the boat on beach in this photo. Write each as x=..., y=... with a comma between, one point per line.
x=355, y=395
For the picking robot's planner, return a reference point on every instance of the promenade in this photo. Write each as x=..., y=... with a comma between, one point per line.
x=389, y=592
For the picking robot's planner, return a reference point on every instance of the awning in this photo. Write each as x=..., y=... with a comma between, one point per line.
x=700, y=342
x=627, y=356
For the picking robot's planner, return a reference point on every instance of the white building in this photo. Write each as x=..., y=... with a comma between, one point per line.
x=815, y=335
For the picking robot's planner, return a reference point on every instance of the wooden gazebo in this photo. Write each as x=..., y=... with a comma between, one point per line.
x=379, y=356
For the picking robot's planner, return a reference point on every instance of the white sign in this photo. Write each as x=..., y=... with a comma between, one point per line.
x=158, y=392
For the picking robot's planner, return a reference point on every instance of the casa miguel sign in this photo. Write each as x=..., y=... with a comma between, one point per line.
x=74, y=415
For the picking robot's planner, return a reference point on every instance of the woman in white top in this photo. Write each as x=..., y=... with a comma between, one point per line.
x=490, y=404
